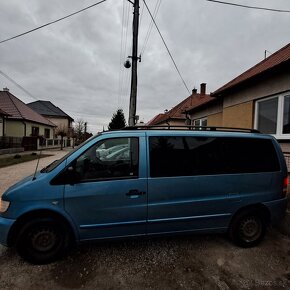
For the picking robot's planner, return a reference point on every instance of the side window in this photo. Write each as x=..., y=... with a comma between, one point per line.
x=167, y=156
x=109, y=159
x=189, y=156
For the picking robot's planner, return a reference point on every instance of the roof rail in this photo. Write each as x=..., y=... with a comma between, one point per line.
x=194, y=128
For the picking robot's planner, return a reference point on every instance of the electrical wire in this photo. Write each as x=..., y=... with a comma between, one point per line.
x=157, y=6
x=125, y=52
x=121, y=54
x=18, y=85
x=166, y=46
x=52, y=22
x=250, y=7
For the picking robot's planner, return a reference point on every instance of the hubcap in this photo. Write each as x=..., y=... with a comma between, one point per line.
x=250, y=229
x=44, y=240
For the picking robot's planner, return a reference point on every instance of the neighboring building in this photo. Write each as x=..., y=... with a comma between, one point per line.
x=53, y=113
x=259, y=99
x=20, y=120
x=3, y=116
x=177, y=115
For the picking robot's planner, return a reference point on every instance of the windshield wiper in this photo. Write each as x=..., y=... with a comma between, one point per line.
x=44, y=169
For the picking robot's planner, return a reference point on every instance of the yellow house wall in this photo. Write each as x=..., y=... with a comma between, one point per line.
x=239, y=116
x=59, y=122
x=14, y=128
x=215, y=120
x=173, y=123
x=17, y=129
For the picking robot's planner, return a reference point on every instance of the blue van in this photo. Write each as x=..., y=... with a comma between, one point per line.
x=148, y=182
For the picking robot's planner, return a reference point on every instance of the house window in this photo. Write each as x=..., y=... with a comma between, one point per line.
x=200, y=122
x=34, y=131
x=273, y=116
x=47, y=133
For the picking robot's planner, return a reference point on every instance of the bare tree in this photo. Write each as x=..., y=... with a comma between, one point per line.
x=79, y=130
x=62, y=132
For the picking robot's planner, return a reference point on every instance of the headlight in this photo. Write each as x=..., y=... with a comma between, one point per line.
x=4, y=205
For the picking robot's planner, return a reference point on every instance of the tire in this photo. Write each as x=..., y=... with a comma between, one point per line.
x=248, y=228
x=42, y=240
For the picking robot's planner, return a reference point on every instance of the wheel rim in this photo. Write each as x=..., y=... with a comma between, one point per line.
x=250, y=229
x=44, y=239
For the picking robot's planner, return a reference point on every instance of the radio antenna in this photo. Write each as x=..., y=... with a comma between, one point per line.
x=39, y=155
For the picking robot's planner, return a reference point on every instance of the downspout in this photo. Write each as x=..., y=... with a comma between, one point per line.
x=24, y=128
x=3, y=126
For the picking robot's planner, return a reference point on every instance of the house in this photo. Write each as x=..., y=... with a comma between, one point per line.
x=54, y=114
x=3, y=116
x=177, y=116
x=22, y=121
x=259, y=98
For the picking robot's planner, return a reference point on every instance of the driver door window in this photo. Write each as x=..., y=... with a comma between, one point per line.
x=109, y=159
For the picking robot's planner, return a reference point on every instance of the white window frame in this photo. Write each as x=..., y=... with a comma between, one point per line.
x=279, y=127
x=200, y=121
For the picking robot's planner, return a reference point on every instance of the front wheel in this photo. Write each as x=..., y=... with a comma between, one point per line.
x=248, y=229
x=42, y=240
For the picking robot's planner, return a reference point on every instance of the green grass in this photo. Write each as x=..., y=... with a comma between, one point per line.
x=7, y=161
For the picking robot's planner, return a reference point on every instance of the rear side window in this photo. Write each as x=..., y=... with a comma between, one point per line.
x=187, y=156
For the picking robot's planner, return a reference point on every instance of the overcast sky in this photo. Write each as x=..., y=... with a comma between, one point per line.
x=75, y=63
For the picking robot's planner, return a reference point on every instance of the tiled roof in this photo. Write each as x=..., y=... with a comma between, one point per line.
x=46, y=108
x=177, y=112
x=3, y=113
x=18, y=110
x=279, y=57
x=155, y=120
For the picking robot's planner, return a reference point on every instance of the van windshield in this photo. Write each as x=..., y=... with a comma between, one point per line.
x=55, y=163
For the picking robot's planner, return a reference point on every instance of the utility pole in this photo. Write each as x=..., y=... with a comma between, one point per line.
x=135, y=58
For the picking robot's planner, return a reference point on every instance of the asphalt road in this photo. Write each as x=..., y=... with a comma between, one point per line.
x=188, y=262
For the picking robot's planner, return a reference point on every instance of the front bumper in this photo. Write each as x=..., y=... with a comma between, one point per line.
x=5, y=226
x=277, y=209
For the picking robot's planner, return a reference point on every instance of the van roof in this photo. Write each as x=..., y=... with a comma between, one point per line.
x=188, y=128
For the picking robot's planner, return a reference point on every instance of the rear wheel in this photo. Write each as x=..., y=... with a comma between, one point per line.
x=248, y=228
x=42, y=240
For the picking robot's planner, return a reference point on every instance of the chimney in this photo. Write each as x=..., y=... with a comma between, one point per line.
x=194, y=91
x=203, y=88
x=5, y=89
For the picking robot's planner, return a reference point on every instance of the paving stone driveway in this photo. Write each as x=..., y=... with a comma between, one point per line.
x=11, y=174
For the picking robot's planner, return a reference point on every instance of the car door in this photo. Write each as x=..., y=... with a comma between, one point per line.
x=185, y=191
x=109, y=198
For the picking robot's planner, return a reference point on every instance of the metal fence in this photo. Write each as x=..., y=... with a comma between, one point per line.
x=10, y=142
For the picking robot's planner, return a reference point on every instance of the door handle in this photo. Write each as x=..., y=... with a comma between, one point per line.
x=135, y=192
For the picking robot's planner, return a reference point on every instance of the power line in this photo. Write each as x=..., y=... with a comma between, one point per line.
x=175, y=65
x=157, y=6
x=250, y=7
x=33, y=97
x=121, y=54
x=52, y=22
x=18, y=85
x=125, y=53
